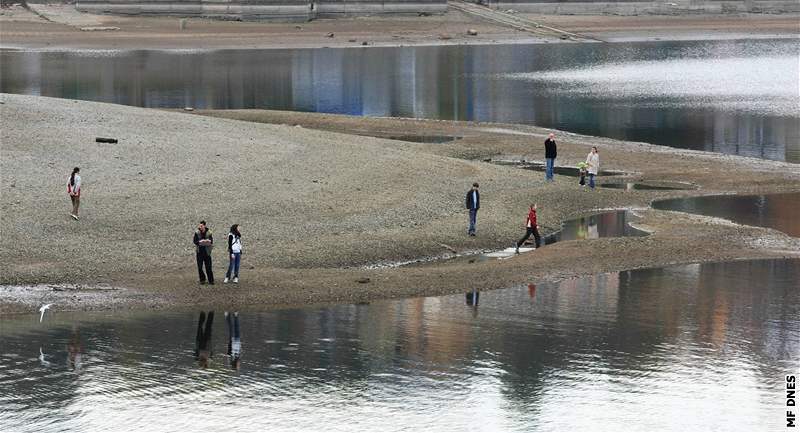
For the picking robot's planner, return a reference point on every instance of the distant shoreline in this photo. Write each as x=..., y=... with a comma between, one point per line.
x=21, y=29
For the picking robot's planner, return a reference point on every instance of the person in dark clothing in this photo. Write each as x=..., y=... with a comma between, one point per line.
x=530, y=228
x=473, y=203
x=550, y=153
x=202, y=344
x=234, y=340
x=204, y=242
x=473, y=297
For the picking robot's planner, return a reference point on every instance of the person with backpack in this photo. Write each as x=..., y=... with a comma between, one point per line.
x=235, y=252
x=531, y=228
x=204, y=242
x=74, y=191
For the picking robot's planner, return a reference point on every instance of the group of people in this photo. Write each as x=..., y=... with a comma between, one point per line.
x=590, y=167
x=204, y=239
x=204, y=243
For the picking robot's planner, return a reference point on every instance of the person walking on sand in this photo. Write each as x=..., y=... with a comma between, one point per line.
x=74, y=190
x=531, y=228
x=473, y=202
x=593, y=165
x=204, y=242
x=550, y=153
x=235, y=252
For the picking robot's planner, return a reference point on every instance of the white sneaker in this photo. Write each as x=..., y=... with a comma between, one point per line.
x=225, y=280
x=236, y=280
x=75, y=217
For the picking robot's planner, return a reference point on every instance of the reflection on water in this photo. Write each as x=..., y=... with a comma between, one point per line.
x=701, y=347
x=777, y=211
x=630, y=186
x=601, y=225
x=668, y=93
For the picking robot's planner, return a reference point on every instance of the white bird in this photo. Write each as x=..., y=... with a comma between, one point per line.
x=42, y=310
x=42, y=360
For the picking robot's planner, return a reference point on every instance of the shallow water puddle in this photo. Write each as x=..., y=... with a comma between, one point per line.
x=777, y=211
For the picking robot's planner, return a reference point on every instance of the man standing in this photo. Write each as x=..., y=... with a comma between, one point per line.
x=204, y=241
x=473, y=203
x=550, y=153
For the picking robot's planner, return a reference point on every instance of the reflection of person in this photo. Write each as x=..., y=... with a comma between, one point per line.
x=74, y=191
x=473, y=297
x=473, y=202
x=234, y=340
x=204, y=242
x=591, y=229
x=531, y=228
x=235, y=252
x=202, y=348
x=581, y=232
x=593, y=162
x=74, y=350
x=531, y=290
x=550, y=153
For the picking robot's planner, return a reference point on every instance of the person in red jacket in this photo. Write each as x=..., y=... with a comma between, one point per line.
x=531, y=228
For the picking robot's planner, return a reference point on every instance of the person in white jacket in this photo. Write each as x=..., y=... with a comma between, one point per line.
x=593, y=163
x=74, y=190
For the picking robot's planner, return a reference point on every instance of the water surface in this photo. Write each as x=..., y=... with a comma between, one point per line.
x=648, y=349
x=733, y=96
x=777, y=211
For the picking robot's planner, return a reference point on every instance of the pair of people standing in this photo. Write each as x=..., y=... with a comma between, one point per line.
x=551, y=152
x=204, y=242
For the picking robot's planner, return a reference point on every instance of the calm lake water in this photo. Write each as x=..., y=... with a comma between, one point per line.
x=697, y=347
x=736, y=97
x=777, y=211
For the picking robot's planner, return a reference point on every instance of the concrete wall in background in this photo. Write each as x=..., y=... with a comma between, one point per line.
x=636, y=7
x=293, y=10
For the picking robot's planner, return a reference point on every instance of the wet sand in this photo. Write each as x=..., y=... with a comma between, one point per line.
x=318, y=205
x=22, y=29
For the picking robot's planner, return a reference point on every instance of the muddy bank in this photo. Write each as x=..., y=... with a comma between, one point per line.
x=317, y=205
x=22, y=29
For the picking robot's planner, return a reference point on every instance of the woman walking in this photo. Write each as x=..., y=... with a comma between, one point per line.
x=531, y=228
x=74, y=190
x=235, y=250
x=593, y=162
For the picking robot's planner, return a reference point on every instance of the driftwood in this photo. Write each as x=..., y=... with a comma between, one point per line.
x=106, y=140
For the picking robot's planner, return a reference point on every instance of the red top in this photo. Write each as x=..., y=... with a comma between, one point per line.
x=531, y=221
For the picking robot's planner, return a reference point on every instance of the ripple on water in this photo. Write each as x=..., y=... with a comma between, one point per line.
x=636, y=342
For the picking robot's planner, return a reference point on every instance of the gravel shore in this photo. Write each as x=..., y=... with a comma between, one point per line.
x=317, y=204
